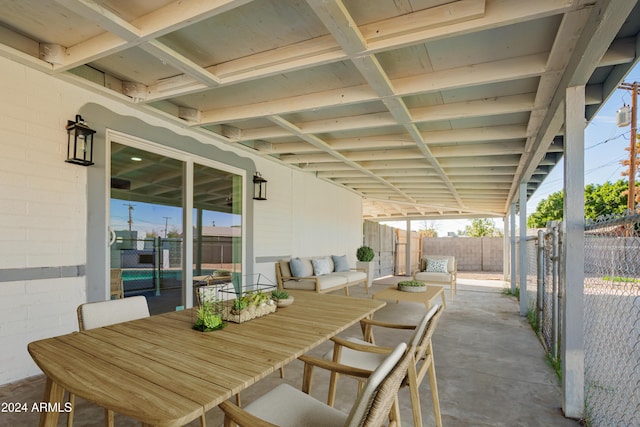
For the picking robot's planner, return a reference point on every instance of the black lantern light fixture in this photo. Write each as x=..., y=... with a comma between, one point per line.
x=79, y=142
x=259, y=187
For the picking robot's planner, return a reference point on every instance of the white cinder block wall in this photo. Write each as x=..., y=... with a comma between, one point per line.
x=43, y=212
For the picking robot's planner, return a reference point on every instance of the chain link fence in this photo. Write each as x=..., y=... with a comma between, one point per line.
x=612, y=321
x=547, y=302
x=611, y=314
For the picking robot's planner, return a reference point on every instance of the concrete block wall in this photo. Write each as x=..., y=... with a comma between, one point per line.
x=472, y=253
x=42, y=215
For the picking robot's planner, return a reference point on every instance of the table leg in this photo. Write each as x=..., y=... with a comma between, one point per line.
x=53, y=394
x=444, y=302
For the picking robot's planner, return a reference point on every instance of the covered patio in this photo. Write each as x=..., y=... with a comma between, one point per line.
x=491, y=368
x=350, y=109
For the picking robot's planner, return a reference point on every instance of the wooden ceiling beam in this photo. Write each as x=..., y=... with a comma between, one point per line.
x=322, y=50
x=459, y=77
x=162, y=21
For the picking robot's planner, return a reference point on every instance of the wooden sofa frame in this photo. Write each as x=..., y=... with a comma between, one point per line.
x=280, y=278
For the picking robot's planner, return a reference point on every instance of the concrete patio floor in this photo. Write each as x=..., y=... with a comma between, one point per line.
x=490, y=366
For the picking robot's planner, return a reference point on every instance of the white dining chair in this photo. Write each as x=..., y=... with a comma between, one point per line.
x=366, y=355
x=104, y=313
x=286, y=406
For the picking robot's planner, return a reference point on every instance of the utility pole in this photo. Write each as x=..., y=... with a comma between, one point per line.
x=631, y=198
x=166, y=224
x=130, y=222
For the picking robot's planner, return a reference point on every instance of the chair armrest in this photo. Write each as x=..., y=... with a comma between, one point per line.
x=381, y=324
x=242, y=417
x=367, y=348
x=334, y=366
x=367, y=328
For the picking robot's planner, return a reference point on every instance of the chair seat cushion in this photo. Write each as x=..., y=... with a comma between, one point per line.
x=361, y=359
x=289, y=407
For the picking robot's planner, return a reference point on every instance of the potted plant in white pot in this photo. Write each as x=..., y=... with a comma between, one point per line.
x=365, y=255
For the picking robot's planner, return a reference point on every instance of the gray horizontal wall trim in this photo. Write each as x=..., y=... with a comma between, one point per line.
x=40, y=273
x=262, y=259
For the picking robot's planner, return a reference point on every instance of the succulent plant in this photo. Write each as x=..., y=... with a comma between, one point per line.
x=277, y=295
x=413, y=283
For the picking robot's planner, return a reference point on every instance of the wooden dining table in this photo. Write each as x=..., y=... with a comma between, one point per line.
x=160, y=371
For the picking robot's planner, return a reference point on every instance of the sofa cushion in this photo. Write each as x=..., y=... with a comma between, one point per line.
x=435, y=265
x=284, y=268
x=353, y=275
x=321, y=266
x=301, y=267
x=340, y=263
x=331, y=280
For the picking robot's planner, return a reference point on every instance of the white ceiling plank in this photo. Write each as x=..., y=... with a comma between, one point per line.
x=167, y=19
x=432, y=113
x=497, y=71
x=180, y=62
x=323, y=145
x=336, y=18
x=102, y=16
x=472, y=75
x=497, y=13
x=324, y=49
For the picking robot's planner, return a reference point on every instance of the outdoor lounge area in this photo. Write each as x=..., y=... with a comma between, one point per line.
x=169, y=140
x=491, y=368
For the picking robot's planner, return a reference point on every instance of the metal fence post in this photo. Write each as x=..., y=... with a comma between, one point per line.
x=555, y=276
x=540, y=276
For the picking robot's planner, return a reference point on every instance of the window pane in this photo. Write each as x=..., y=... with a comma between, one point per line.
x=146, y=217
x=217, y=220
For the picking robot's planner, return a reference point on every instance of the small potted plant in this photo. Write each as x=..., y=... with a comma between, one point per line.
x=208, y=316
x=250, y=305
x=282, y=298
x=412, y=286
x=365, y=255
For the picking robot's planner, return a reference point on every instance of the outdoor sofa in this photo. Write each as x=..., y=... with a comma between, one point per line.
x=319, y=274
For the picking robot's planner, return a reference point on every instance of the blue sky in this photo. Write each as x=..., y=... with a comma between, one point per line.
x=147, y=217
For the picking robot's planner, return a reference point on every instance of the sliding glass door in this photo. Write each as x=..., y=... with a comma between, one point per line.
x=151, y=190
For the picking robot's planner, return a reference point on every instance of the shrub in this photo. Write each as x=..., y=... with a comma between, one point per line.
x=365, y=254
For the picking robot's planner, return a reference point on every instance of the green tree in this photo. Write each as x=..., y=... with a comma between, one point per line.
x=605, y=199
x=481, y=227
x=549, y=209
x=599, y=199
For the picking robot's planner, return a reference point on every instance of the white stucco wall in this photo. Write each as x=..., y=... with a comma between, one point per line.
x=43, y=211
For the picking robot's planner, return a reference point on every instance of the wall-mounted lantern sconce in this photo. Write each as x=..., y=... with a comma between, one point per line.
x=259, y=187
x=79, y=142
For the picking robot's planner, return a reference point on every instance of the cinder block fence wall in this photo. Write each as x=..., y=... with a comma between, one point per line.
x=472, y=253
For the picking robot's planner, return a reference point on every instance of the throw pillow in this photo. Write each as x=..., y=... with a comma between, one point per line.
x=321, y=266
x=298, y=268
x=437, y=265
x=340, y=263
